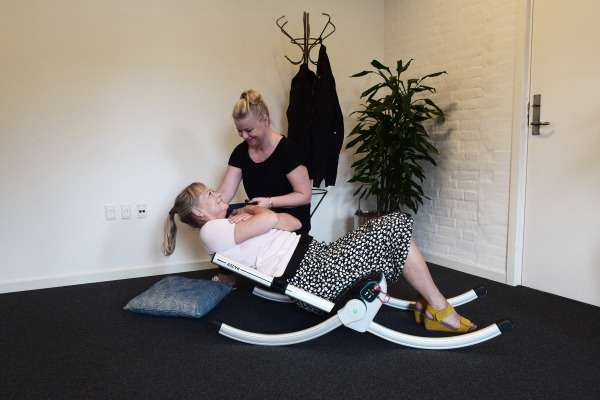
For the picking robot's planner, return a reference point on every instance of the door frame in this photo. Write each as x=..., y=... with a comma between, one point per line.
x=519, y=137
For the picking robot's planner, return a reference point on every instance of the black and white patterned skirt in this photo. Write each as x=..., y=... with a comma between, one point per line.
x=381, y=245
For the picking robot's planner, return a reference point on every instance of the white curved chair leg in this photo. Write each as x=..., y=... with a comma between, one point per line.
x=357, y=314
x=281, y=339
x=440, y=343
x=454, y=301
x=269, y=295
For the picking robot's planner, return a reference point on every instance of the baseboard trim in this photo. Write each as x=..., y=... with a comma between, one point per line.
x=137, y=272
x=476, y=270
x=101, y=276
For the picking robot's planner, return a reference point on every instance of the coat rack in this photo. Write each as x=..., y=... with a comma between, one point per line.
x=306, y=43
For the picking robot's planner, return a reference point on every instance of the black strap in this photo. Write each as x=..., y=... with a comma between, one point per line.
x=280, y=283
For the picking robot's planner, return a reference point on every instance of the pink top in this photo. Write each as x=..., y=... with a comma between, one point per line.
x=269, y=253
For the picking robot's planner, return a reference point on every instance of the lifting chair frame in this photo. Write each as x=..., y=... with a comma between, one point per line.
x=357, y=314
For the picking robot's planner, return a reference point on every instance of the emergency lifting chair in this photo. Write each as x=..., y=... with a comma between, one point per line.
x=356, y=310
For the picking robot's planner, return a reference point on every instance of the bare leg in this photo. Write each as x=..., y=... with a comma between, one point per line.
x=417, y=275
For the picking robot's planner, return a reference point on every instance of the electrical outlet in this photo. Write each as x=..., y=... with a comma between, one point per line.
x=110, y=212
x=125, y=211
x=141, y=210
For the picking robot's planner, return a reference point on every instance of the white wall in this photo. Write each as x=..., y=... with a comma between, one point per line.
x=476, y=41
x=125, y=101
x=122, y=102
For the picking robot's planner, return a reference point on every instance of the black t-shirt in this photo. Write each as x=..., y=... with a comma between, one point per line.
x=268, y=178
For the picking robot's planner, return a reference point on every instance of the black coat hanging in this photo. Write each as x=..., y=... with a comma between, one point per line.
x=315, y=119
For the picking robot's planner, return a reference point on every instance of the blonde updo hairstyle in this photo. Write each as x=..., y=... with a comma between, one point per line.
x=184, y=202
x=251, y=101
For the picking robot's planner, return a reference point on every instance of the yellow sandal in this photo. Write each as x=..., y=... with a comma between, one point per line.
x=419, y=313
x=435, y=323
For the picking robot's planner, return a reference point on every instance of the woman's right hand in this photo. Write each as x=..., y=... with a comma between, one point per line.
x=265, y=202
x=239, y=215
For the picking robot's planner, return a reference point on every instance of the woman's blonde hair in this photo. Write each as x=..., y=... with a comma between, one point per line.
x=184, y=202
x=250, y=102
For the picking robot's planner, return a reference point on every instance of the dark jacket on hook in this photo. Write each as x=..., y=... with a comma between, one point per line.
x=315, y=120
x=300, y=110
x=327, y=126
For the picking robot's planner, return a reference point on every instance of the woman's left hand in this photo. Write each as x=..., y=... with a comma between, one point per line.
x=262, y=202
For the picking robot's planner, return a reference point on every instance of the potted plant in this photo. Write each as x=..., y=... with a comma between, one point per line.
x=391, y=139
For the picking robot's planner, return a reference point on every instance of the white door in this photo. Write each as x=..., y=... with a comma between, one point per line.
x=561, y=252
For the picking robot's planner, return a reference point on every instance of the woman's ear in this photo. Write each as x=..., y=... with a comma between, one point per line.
x=198, y=213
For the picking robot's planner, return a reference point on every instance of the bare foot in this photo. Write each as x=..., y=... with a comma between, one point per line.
x=226, y=279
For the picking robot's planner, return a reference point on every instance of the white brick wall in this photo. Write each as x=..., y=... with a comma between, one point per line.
x=465, y=223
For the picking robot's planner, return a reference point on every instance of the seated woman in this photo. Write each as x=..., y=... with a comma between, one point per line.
x=265, y=239
x=270, y=166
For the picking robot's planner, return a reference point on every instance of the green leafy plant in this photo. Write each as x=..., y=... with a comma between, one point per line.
x=391, y=139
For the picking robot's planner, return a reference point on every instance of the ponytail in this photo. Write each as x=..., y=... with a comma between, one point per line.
x=170, y=234
x=184, y=203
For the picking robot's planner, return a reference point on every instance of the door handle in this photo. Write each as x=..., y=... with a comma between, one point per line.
x=535, y=118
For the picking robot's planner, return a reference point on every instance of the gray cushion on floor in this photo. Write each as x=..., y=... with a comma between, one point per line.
x=177, y=296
